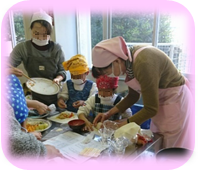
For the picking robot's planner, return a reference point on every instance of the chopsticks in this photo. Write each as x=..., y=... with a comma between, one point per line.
x=23, y=74
x=59, y=85
x=28, y=77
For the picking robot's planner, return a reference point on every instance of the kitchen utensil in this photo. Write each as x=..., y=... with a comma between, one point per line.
x=43, y=86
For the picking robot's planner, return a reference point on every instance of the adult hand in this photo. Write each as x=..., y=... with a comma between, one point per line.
x=104, y=116
x=15, y=71
x=38, y=135
x=100, y=118
x=78, y=103
x=61, y=103
x=58, y=79
x=121, y=122
x=52, y=152
x=40, y=107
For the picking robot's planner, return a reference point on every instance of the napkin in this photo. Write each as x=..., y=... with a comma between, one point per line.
x=52, y=108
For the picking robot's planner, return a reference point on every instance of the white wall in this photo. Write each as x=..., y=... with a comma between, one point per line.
x=66, y=34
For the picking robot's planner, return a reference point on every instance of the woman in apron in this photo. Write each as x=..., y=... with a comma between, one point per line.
x=149, y=72
x=40, y=56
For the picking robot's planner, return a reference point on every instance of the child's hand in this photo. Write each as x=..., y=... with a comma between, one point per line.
x=78, y=103
x=88, y=126
x=61, y=104
x=38, y=135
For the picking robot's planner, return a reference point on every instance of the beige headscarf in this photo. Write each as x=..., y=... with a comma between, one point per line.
x=76, y=65
x=107, y=51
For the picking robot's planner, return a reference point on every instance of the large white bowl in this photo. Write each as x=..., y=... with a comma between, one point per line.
x=43, y=86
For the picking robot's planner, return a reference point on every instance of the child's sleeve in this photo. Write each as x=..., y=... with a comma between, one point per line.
x=89, y=106
x=64, y=92
x=94, y=89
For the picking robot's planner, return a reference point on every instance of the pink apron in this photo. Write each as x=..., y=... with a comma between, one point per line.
x=172, y=119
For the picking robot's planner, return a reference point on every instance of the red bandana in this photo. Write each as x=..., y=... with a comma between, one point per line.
x=105, y=82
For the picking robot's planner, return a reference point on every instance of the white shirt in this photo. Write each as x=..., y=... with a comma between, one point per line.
x=90, y=105
x=65, y=95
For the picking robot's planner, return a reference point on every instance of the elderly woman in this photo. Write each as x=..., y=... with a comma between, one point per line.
x=149, y=72
x=21, y=143
x=40, y=56
x=26, y=145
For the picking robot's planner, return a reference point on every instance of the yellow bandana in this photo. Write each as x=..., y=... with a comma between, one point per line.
x=76, y=65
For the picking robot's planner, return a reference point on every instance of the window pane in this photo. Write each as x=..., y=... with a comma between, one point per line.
x=134, y=27
x=96, y=28
x=19, y=26
x=7, y=36
x=171, y=40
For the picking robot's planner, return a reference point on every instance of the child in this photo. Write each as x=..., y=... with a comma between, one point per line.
x=78, y=89
x=102, y=102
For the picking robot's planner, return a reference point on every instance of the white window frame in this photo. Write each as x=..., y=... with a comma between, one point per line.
x=12, y=28
x=84, y=35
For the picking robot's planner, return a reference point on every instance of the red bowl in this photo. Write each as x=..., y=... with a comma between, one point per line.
x=77, y=124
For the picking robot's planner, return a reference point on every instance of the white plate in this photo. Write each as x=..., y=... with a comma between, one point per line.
x=66, y=120
x=37, y=121
x=39, y=116
x=43, y=86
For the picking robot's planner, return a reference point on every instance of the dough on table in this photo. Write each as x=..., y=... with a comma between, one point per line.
x=98, y=126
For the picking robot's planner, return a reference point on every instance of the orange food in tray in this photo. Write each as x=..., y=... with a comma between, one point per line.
x=65, y=115
x=36, y=127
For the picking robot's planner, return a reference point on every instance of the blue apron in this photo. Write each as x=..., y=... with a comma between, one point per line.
x=75, y=95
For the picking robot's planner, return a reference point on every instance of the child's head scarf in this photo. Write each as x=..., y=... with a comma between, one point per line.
x=105, y=82
x=76, y=65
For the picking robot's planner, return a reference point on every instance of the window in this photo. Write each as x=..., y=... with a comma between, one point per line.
x=96, y=28
x=134, y=27
x=19, y=26
x=7, y=37
x=14, y=30
x=173, y=43
x=16, y=27
x=159, y=29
